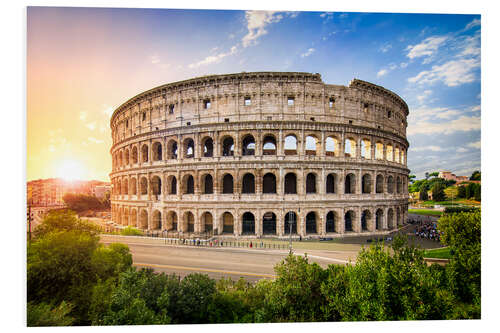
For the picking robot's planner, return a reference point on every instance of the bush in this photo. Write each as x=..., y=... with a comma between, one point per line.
x=131, y=231
x=64, y=220
x=44, y=315
x=438, y=192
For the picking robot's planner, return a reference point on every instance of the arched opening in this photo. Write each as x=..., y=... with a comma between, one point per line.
x=118, y=187
x=172, y=149
x=133, y=218
x=188, y=148
x=133, y=186
x=144, y=153
x=227, y=223
x=228, y=146
x=144, y=185
x=269, y=145
x=156, y=222
x=389, y=153
x=290, y=183
x=311, y=225
x=208, y=147
x=188, y=222
x=379, y=151
x=156, y=185
x=396, y=155
x=125, y=216
x=348, y=219
x=173, y=185
x=390, y=219
x=248, y=146
x=207, y=222
x=135, y=157
x=311, y=145
x=380, y=184
x=127, y=157
x=399, y=185
x=227, y=184
x=366, y=184
x=290, y=222
x=330, y=183
x=350, y=148
x=143, y=219
x=269, y=183
x=379, y=215
x=269, y=223
x=366, y=149
x=290, y=145
x=172, y=221
x=120, y=158
x=390, y=184
x=157, y=151
x=350, y=182
x=188, y=184
x=248, y=224
x=365, y=218
x=330, y=146
x=125, y=186
x=248, y=184
x=330, y=222
x=208, y=184
x=311, y=183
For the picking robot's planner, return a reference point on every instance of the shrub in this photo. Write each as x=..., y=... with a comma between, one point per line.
x=131, y=231
x=43, y=314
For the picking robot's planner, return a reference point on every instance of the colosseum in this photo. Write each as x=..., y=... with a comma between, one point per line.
x=261, y=154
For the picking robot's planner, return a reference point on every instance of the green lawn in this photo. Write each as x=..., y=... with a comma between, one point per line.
x=426, y=212
x=442, y=253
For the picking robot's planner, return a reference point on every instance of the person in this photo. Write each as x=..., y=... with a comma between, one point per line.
x=250, y=244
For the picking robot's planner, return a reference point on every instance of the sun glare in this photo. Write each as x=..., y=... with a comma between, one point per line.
x=69, y=169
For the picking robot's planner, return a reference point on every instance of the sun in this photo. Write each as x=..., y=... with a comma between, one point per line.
x=70, y=169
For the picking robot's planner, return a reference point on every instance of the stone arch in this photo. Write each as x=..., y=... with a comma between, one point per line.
x=227, y=184
x=157, y=151
x=188, y=148
x=145, y=153
x=366, y=217
x=135, y=155
x=269, y=223
x=398, y=216
x=207, y=184
x=269, y=146
x=156, y=185
x=188, y=222
x=312, y=145
x=366, y=148
x=156, y=220
x=350, y=184
x=396, y=155
x=188, y=184
x=125, y=219
x=120, y=158
x=248, y=183
x=172, y=184
x=172, y=221
x=227, y=223
x=125, y=186
x=366, y=183
x=133, y=217
x=331, y=144
x=331, y=180
x=248, y=145
x=290, y=183
x=207, y=222
x=290, y=145
x=144, y=185
x=390, y=219
x=330, y=222
x=379, y=150
x=379, y=218
x=350, y=147
x=248, y=224
x=311, y=182
x=399, y=185
x=311, y=223
x=119, y=187
x=227, y=146
x=127, y=157
x=349, y=219
x=269, y=183
x=389, y=153
x=379, y=185
x=172, y=149
x=208, y=146
x=390, y=184
x=133, y=186
x=291, y=219
x=143, y=219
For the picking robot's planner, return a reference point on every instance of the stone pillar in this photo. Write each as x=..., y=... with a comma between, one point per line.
x=280, y=144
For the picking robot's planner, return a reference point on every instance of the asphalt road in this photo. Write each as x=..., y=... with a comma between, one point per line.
x=251, y=264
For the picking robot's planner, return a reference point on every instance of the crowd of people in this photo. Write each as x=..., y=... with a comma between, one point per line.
x=428, y=230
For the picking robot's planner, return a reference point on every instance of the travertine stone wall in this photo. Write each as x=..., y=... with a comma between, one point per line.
x=344, y=149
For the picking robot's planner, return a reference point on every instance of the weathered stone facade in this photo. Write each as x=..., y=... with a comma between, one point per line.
x=236, y=153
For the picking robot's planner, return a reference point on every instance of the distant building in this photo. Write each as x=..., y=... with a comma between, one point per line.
x=100, y=191
x=447, y=175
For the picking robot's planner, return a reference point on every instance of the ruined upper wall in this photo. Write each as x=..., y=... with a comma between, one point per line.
x=259, y=96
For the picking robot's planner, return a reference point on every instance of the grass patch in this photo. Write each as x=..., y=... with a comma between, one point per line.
x=130, y=231
x=426, y=212
x=442, y=253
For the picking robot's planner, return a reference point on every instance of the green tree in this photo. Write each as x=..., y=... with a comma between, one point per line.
x=438, y=192
x=64, y=220
x=44, y=314
x=461, y=192
x=411, y=178
x=477, y=193
x=433, y=174
x=423, y=195
x=476, y=175
x=82, y=202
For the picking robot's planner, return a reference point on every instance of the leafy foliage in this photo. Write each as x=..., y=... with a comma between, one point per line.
x=438, y=192
x=131, y=231
x=45, y=315
x=476, y=175
x=64, y=220
x=82, y=202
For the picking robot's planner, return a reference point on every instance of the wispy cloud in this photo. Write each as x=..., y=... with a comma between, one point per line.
x=213, y=58
x=472, y=24
x=426, y=48
x=464, y=124
x=94, y=140
x=425, y=94
x=308, y=52
x=257, y=21
x=382, y=72
x=385, y=47
x=451, y=73
x=476, y=145
x=426, y=148
x=91, y=126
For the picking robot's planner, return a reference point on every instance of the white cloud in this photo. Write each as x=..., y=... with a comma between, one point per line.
x=257, y=21
x=108, y=111
x=463, y=123
x=473, y=23
x=447, y=114
x=476, y=144
x=94, y=140
x=308, y=52
x=403, y=65
x=327, y=16
x=461, y=150
x=155, y=59
x=476, y=108
x=382, y=72
x=431, y=148
x=91, y=126
x=426, y=48
x=384, y=48
x=423, y=97
x=213, y=58
x=451, y=73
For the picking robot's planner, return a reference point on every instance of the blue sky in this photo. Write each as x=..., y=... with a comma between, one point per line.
x=431, y=60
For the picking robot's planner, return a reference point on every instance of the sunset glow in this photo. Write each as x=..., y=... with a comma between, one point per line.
x=70, y=169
